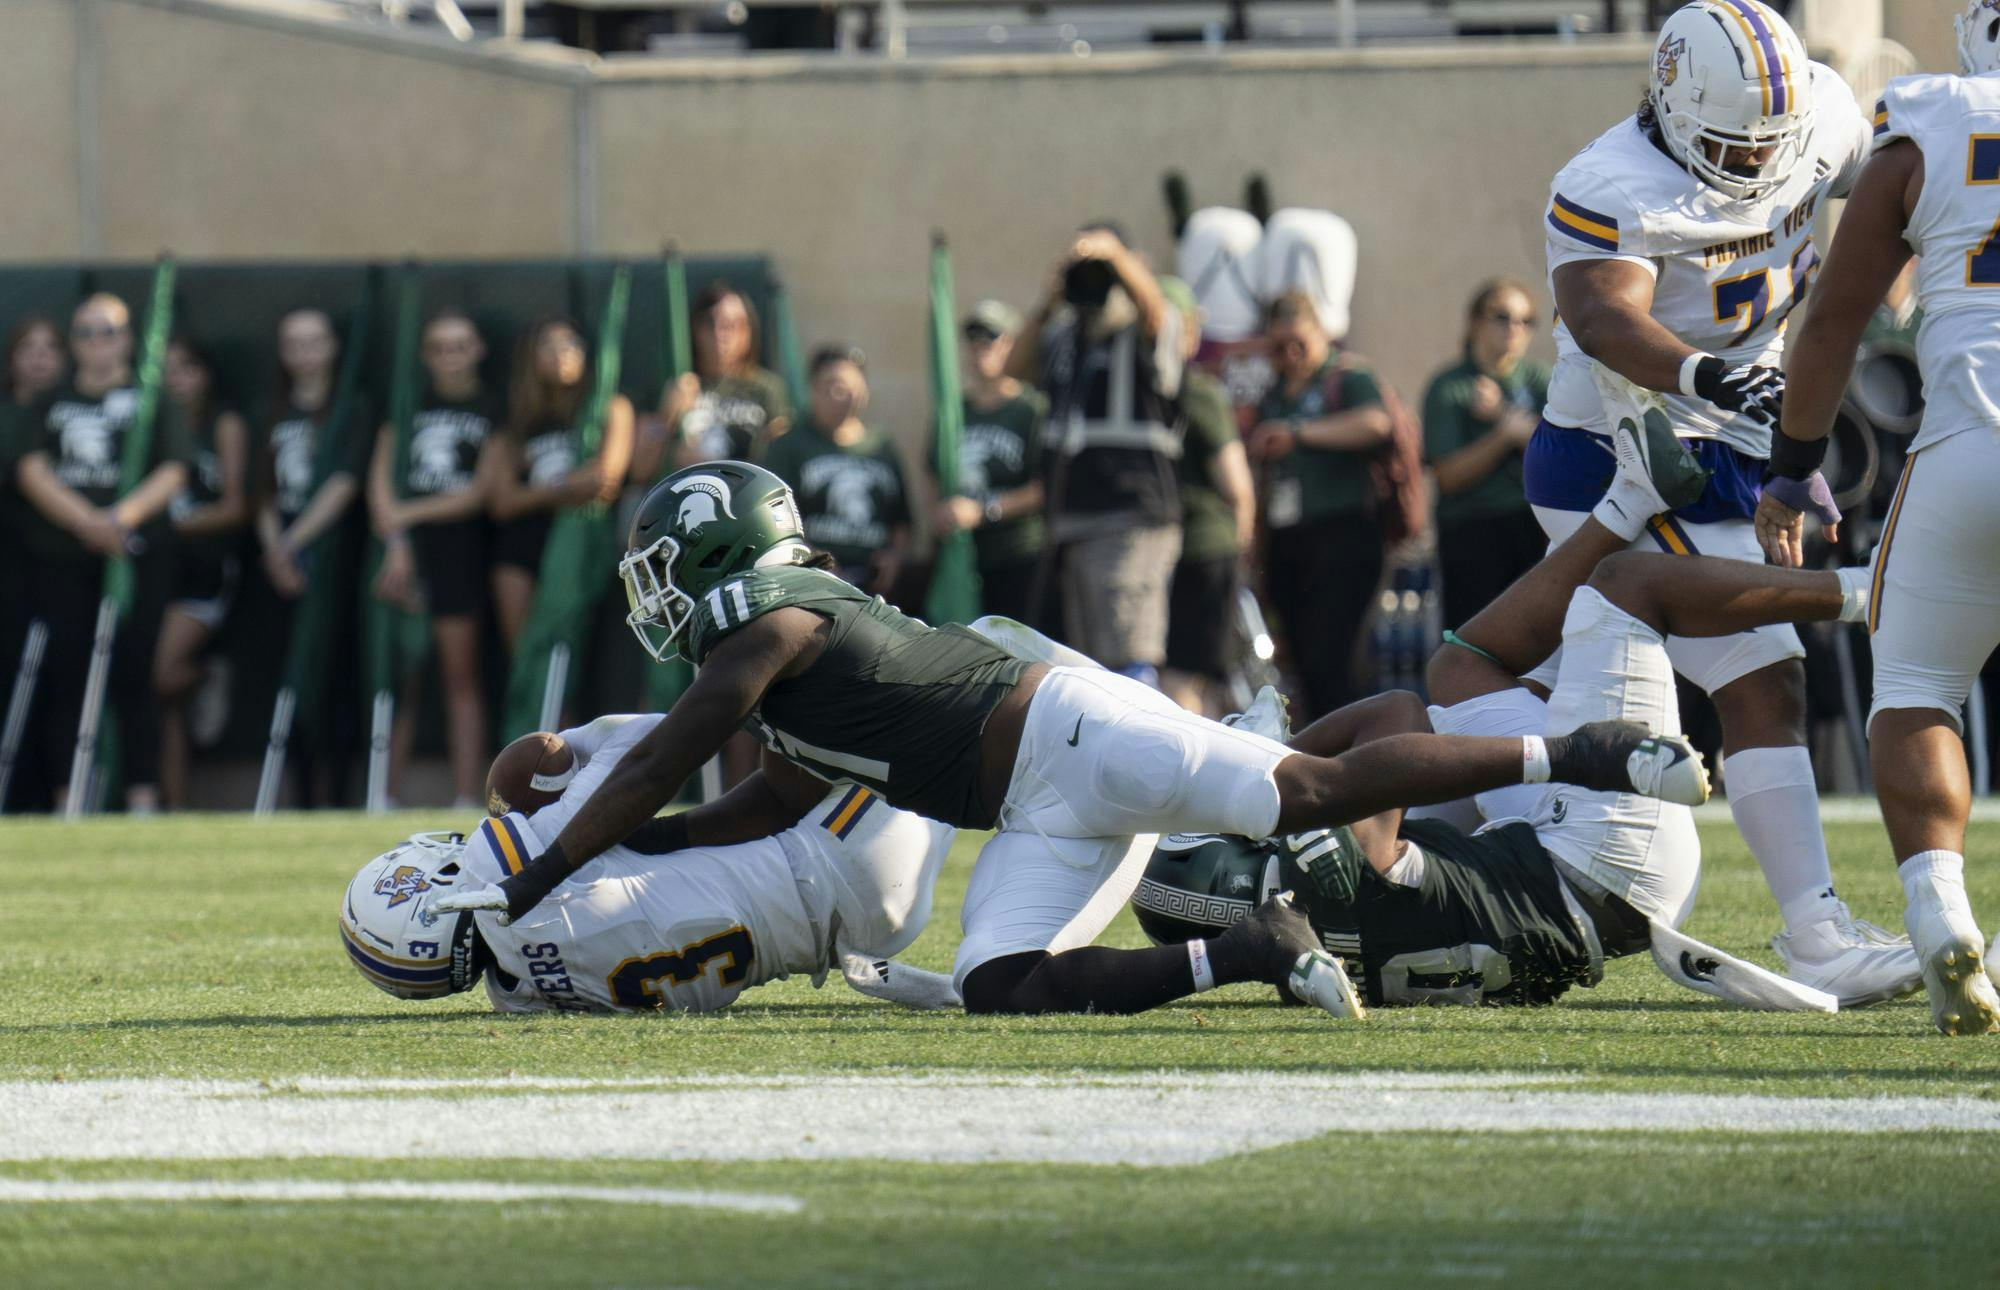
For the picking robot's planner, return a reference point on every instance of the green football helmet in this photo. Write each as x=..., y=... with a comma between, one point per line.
x=696, y=528
x=1199, y=884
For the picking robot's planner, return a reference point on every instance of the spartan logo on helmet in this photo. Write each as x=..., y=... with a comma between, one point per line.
x=701, y=496
x=405, y=881
x=1667, y=62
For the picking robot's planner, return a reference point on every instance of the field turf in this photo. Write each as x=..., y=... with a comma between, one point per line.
x=849, y=1143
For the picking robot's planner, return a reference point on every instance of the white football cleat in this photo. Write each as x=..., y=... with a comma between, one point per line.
x=1269, y=715
x=1669, y=768
x=1320, y=979
x=1949, y=950
x=1851, y=959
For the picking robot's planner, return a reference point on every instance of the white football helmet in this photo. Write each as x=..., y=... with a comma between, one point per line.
x=1730, y=74
x=1979, y=37
x=391, y=933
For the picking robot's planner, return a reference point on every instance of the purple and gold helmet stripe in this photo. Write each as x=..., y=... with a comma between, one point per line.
x=1773, y=66
x=410, y=976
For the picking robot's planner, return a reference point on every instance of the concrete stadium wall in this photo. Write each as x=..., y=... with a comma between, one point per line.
x=271, y=128
x=1440, y=160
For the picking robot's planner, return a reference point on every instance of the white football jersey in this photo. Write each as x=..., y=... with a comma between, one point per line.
x=1955, y=229
x=1728, y=273
x=693, y=929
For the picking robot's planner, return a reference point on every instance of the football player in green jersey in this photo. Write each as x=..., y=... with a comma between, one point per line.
x=1069, y=764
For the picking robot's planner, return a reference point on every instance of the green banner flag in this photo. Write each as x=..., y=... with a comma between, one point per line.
x=319, y=610
x=135, y=465
x=786, y=356
x=954, y=594
x=579, y=564
x=398, y=640
x=676, y=345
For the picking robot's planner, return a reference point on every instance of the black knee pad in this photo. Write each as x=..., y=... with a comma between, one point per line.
x=995, y=986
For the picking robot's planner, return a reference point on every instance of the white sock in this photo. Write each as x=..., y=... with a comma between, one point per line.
x=1932, y=869
x=1408, y=871
x=1204, y=972
x=1776, y=805
x=1626, y=507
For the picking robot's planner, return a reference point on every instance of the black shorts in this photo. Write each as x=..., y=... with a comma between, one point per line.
x=518, y=543
x=451, y=560
x=1201, y=618
x=204, y=583
x=1488, y=924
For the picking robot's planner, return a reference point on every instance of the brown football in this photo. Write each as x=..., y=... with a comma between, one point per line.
x=529, y=773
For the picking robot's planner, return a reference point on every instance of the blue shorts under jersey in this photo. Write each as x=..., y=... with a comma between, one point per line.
x=1567, y=469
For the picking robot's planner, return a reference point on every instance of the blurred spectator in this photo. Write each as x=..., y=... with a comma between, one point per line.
x=848, y=479
x=728, y=407
x=1000, y=464
x=1478, y=417
x=71, y=475
x=433, y=527
x=293, y=513
x=531, y=469
x=34, y=359
x=208, y=515
x=1109, y=354
x=34, y=363
x=1318, y=429
x=1218, y=521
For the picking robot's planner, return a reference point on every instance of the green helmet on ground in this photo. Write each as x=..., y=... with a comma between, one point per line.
x=696, y=528
x=1199, y=884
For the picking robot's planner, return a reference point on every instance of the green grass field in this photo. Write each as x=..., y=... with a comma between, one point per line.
x=933, y=1149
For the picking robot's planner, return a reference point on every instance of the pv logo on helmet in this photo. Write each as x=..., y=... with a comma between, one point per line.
x=1667, y=63
x=701, y=496
x=406, y=881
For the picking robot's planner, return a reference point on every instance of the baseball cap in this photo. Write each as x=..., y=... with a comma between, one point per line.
x=994, y=317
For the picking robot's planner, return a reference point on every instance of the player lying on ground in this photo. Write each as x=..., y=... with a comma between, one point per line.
x=1067, y=763
x=1936, y=617
x=849, y=886
x=852, y=881
x=1562, y=878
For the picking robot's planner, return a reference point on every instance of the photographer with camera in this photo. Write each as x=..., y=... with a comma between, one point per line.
x=1106, y=350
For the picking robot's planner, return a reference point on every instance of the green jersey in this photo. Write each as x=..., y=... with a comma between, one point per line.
x=851, y=498
x=730, y=419
x=1208, y=526
x=1002, y=451
x=891, y=702
x=1310, y=483
x=1449, y=425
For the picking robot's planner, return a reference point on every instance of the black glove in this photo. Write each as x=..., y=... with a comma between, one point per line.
x=1751, y=391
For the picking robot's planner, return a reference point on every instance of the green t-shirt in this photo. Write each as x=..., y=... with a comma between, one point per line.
x=1002, y=451
x=890, y=702
x=84, y=438
x=293, y=454
x=1449, y=426
x=1310, y=483
x=1208, y=526
x=851, y=499
x=729, y=418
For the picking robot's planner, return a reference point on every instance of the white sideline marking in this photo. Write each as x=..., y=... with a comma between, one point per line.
x=1851, y=809
x=294, y=1189
x=1150, y=1120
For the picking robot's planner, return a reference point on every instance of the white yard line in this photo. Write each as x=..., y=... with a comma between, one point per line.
x=1846, y=810
x=1149, y=1120
x=171, y=1191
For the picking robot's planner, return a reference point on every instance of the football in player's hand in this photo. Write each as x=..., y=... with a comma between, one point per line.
x=529, y=774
